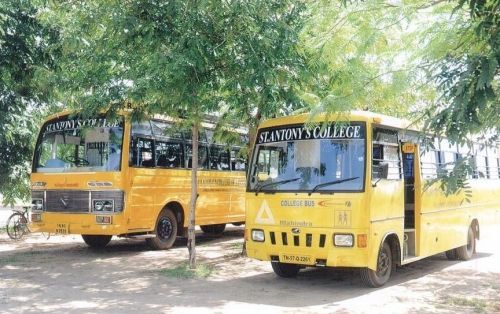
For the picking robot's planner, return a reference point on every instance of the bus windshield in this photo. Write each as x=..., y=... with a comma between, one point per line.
x=78, y=145
x=320, y=159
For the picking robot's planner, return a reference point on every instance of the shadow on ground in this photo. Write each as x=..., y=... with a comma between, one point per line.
x=126, y=276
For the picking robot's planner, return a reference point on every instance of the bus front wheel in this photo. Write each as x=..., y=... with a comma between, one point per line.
x=465, y=252
x=384, y=268
x=285, y=270
x=96, y=241
x=166, y=231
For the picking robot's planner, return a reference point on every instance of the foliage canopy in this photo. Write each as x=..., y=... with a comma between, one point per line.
x=26, y=53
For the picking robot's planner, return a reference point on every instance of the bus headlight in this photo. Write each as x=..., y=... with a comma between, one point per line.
x=258, y=235
x=37, y=204
x=103, y=205
x=343, y=240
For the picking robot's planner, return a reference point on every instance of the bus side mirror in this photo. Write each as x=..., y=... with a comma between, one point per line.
x=383, y=170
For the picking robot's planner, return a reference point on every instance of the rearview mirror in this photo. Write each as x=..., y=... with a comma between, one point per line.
x=381, y=170
x=384, y=170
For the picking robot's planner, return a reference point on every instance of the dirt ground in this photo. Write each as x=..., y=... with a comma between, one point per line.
x=62, y=275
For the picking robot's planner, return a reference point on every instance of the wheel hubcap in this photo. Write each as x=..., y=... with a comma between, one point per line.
x=383, y=264
x=164, y=229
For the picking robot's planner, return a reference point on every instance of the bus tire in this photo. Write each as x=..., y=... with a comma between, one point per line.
x=96, y=241
x=213, y=229
x=285, y=270
x=465, y=252
x=166, y=231
x=451, y=255
x=379, y=277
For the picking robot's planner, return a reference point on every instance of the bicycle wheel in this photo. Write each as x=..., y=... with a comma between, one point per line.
x=17, y=226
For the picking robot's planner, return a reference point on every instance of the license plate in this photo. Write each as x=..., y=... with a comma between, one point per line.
x=62, y=229
x=296, y=259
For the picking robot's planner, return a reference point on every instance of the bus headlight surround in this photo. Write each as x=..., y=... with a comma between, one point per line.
x=343, y=239
x=103, y=205
x=258, y=235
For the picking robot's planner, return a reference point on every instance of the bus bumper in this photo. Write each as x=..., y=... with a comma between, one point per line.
x=313, y=248
x=93, y=224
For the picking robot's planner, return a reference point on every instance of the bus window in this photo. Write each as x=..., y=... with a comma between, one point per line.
x=202, y=156
x=270, y=162
x=162, y=130
x=317, y=163
x=219, y=158
x=142, y=129
x=238, y=162
x=74, y=145
x=385, y=151
x=142, y=153
x=169, y=155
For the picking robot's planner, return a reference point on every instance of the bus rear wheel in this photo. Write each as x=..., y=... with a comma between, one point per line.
x=213, y=229
x=166, y=231
x=465, y=252
x=96, y=241
x=379, y=277
x=285, y=270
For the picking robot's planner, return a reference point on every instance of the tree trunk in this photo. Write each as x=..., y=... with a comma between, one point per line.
x=191, y=244
x=252, y=135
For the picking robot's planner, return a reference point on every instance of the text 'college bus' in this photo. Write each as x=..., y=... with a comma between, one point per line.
x=99, y=178
x=353, y=194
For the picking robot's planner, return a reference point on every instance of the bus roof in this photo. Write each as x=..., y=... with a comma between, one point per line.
x=209, y=122
x=366, y=116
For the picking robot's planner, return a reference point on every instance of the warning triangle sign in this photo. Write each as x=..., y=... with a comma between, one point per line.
x=264, y=216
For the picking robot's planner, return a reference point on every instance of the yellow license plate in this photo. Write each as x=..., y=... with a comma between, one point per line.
x=62, y=229
x=296, y=259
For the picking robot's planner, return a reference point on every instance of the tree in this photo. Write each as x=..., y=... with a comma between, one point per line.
x=436, y=61
x=467, y=72
x=359, y=51
x=183, y=58
x=25, y=55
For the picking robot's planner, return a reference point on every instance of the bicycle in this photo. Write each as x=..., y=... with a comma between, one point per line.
x=18, y=224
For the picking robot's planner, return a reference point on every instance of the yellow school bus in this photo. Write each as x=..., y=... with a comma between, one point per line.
x=102, y=178
x=358, y=191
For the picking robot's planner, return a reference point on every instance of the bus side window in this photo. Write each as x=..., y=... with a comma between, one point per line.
x=385, y=155
x=169, y=155
x=238, y=162
x=202, y=156
x=142, y=152
x=219, y=158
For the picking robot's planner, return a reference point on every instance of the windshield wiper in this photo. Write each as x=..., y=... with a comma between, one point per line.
x=260, y=187
x=331, y=183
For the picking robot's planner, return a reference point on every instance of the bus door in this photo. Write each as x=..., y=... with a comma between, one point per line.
x=409, y=245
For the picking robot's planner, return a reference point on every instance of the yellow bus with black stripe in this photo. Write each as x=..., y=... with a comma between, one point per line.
x=358, y=190
x=102, y=178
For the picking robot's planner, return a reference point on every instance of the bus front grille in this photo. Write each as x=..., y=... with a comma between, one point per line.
x=308, y=239
x=77, y=201
x=67, y=201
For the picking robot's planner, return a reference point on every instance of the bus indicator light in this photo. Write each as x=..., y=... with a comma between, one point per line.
x=105, y=220
x=362, y=240
x=408, y=148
